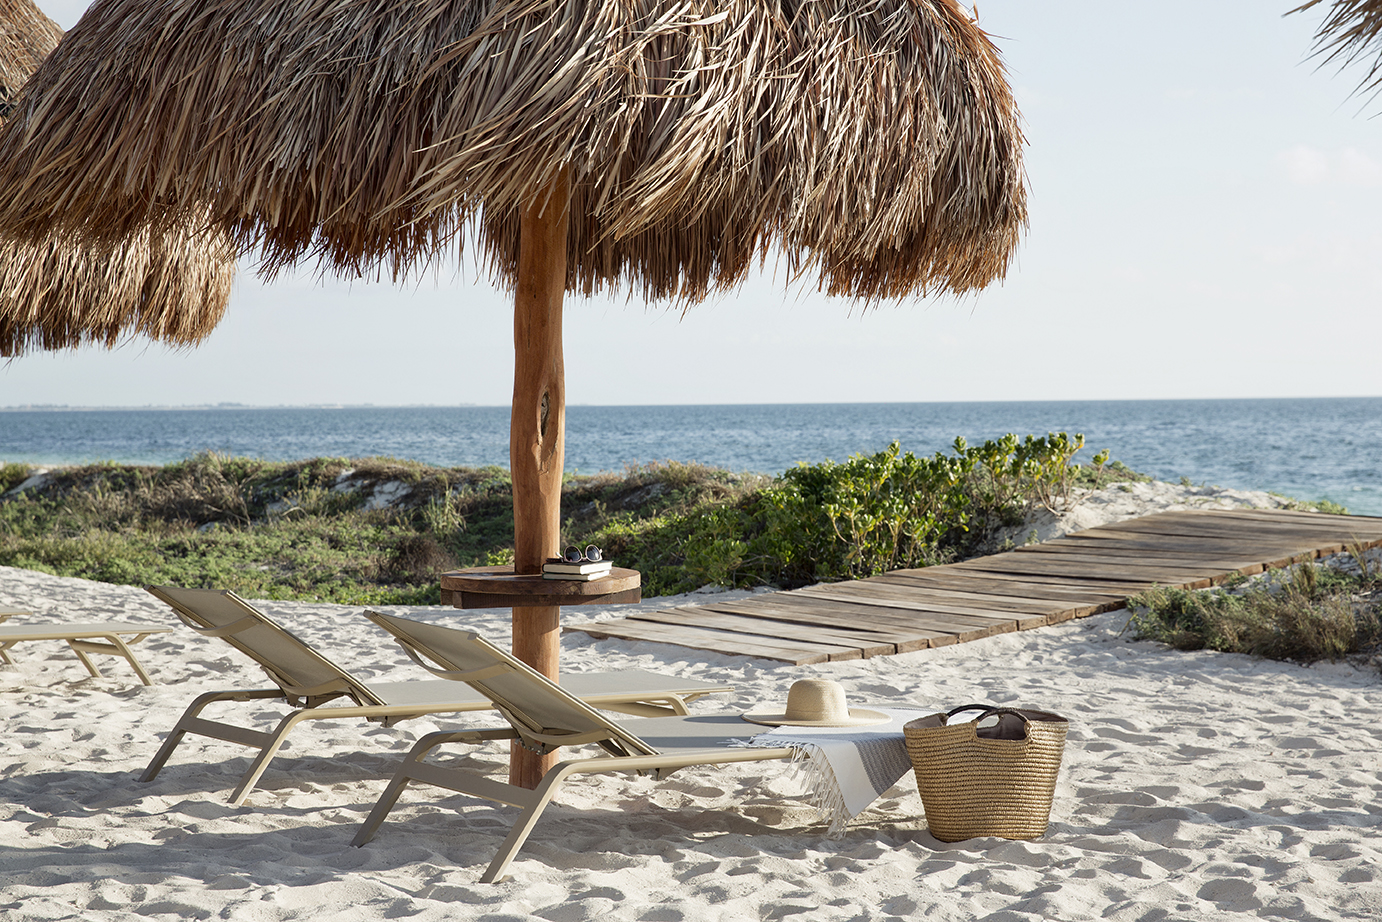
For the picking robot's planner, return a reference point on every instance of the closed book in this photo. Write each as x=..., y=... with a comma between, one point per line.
x=598, y=566
x=578, y=577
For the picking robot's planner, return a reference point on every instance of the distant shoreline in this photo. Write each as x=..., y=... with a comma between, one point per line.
x=47, y=408
x=231, y=405
x=1319, y=448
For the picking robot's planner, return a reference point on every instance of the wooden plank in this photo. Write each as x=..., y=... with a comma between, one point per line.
x=1079, y=590
x=1266, y=554
x=948, y=607
x=1148, y=556
x=1367, y=532
x=931, y=603
x=1336, y=524
x=876, y=619
x=931, y=625
x=1212, y=546
x=866, y=642
x=1194, y=566
x=1245, y=563
x=903, y=633
x=978, y=584
x=1304, y=549
x=856, y=612
x=1026, y=615
x=962, y=627
x=712, y=641
x=888, y=589
x=1217, y=528
x=1063, y=610
x=1127, y=586
x=1081, y=564
x=1146, y=549
x=871, y=592
x=1027, y=565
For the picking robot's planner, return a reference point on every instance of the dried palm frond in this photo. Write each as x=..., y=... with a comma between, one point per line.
x=875, y=142
x=26, y=38
x=58, y=293
x=1352, y=30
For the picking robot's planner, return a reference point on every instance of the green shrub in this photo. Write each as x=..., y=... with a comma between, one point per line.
x=1306, y=614
x=12, y=475
x=849, y=520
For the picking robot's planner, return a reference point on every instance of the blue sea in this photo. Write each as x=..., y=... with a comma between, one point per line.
x=1312, y=449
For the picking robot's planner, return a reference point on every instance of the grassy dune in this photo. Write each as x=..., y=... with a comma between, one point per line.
x=380, y=530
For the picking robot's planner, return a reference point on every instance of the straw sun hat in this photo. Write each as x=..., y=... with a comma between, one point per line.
x=818, y=703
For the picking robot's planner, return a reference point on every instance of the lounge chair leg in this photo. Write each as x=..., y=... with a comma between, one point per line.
x=519, y=833
x=189, y=721
x=4, y=656
x=124, y=650
x=381, y=809
x=400, y=780
x=113, y=646
x=86, y=660
x=266, y=754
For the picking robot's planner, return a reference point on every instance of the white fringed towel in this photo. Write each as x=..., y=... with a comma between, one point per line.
x=847, y=768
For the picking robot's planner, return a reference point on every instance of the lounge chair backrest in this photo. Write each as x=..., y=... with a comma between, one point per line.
x=544, y=714
x=295, y=667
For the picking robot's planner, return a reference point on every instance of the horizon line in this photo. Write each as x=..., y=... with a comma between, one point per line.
x=231, y=405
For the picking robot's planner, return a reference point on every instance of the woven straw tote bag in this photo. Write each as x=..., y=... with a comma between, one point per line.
x=987, y=781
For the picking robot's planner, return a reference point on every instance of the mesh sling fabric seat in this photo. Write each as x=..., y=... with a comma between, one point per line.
x=544, y=716
x=308, y=681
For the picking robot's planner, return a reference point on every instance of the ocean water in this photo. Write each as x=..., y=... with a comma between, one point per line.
x=1327, y=448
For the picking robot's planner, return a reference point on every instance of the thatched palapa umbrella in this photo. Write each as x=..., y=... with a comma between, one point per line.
x=659, y=146
x=58, y=293
x=26, y=38
x=1352, y=30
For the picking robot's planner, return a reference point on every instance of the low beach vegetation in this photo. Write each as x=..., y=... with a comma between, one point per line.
x=1303, y=614
x=381, y=530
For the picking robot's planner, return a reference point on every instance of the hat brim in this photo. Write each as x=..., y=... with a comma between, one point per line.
x=858, y=717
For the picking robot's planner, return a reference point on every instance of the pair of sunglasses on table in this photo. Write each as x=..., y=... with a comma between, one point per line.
x=573, y=554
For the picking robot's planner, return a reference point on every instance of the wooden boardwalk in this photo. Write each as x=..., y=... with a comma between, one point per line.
x=1071, y=577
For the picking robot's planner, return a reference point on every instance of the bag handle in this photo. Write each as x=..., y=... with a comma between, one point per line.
x=989, y=710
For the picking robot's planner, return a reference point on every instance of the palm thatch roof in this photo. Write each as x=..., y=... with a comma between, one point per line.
x=26, y=38
x=875, y=142
x=57, y=292
x=172, y=287
x=1351, y=30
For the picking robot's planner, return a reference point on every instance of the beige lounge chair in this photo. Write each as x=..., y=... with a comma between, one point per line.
x=307, y=681
x=544, y=716
x=113, y=639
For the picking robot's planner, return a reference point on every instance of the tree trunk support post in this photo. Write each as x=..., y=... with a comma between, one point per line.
x=537, y=436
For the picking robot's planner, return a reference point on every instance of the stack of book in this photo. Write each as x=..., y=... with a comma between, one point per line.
x=585, y=571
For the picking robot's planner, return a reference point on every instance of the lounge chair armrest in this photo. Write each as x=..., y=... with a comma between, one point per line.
x=474, y=675
x=233, y=628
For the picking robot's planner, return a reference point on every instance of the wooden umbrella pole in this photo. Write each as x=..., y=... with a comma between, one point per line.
x=537, y=435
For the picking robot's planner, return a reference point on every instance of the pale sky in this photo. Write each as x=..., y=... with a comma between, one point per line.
x=1204, y=223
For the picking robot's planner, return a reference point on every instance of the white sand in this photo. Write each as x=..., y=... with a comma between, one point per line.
x=1196, y=786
